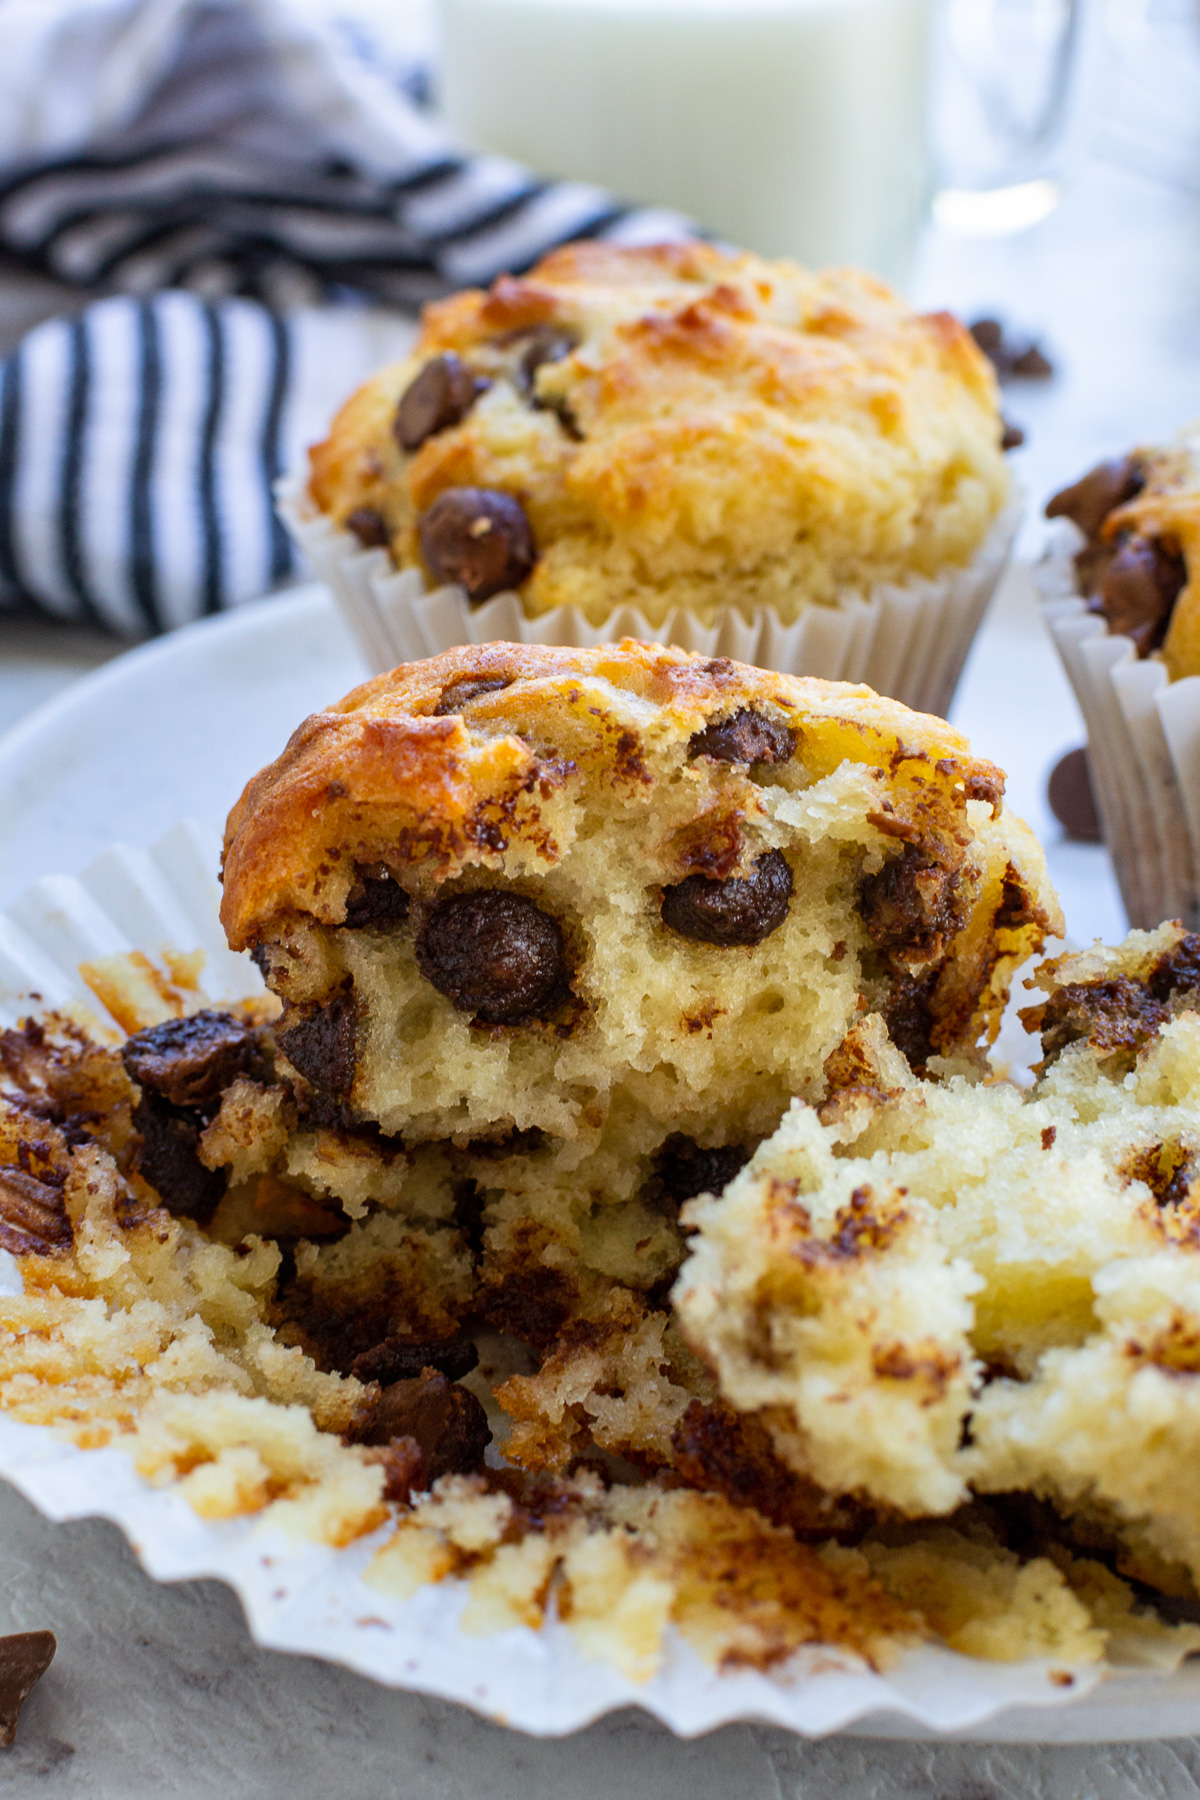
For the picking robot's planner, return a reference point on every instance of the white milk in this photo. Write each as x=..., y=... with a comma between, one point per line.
x=792, y=127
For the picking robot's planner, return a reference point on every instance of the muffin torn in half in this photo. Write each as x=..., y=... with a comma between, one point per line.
x=557, y=938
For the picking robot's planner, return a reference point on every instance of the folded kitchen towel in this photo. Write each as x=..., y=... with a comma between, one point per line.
x=139, y=443
x=238, y=146
x=216, y=148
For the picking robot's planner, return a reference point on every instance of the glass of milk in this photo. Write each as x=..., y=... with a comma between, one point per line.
x=791, y=127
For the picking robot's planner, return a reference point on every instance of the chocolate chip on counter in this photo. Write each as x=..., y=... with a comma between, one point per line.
x=322, y=1046
x=369, y=527
x=1013, y=357
x=1032, y=364
x=1071, y=798
x=989, y=335
x=169, y=1158
x=460, y=693
x=683, y=1169
x=739, y=910
x=395, y=1360
x=1137, y=590
x=375, y=898
x=24, y=1658
x=1012, y=436
x=1089, y=501
x=440, y=396
x=190, y=1060
x=479, y=538
x=745, y=737
x=447, y=1422
x=494, y=954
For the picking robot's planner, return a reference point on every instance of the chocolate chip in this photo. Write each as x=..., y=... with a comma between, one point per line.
x=908, y=1014
x=1137, y=590
x=190, y=1060
x=375, y=898
x=494, y=954
x=479, y=538
x=683, y=1169
x=1012, y=357
x=440, y=396
x=1071, y=798
x=1178, y=972
x=460, y=693
x=24, y=1658
x=530, y=1304
x=394, y=1360
x=989, y=335
x=1012, y=436
x=1032, y=365
x=745, y=737
x=447, y=1422
x=1088, y=502
x=739, y=910
x=369, y=527
x=545, y=344
x=403, y=1469
x=1119, y=1014
x=322, y=1046
x=168, y=1157
x=33, y=1217
x=911, y=906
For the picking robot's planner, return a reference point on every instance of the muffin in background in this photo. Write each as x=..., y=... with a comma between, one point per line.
x=1121, y=587
x=709, y=449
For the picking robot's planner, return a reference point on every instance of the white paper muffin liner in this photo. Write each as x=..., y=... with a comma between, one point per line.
x=310, y=1599
x=908, y=640
x=1143, y=745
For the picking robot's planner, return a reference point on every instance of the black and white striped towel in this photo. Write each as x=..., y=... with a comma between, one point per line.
x=139, y=444
x=238, y=146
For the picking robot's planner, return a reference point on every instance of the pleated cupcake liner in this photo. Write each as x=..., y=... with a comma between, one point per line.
x=1143, y=746
x=311, y=1599
x=908, y=640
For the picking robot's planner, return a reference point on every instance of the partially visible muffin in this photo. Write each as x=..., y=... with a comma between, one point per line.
x=673, y=427
x=1140, y=518
x=926, y=1290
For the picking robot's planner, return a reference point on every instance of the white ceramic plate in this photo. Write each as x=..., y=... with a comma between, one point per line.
x=173, y=730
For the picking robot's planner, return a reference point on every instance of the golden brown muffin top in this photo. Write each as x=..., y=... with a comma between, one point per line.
x=678, y=427
x=464, y=758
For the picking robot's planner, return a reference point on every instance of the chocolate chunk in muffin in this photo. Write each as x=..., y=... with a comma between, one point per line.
x=322, y=1044
x=376, y=898
x=479, y=538
x=739, y=910
x=191, y=1060
x=1136, y=588
x=494, y=954
x=369, y=527
x=745, y=737
x=168, y=1157
x=1088, y=502
x=440, y=396
x=394, y=1360
x=461, y=693
x=446, y=1421
x=683, y=1169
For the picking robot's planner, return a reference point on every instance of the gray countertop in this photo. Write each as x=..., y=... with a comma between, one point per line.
x=159, y=1690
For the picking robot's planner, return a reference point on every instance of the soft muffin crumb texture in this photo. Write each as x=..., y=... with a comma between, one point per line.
x=613, y=1207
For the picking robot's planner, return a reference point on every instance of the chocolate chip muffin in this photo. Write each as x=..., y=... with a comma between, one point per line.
x=1140, y=519
x=676, y=437
x=1122, y=606
x=581, y=923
